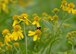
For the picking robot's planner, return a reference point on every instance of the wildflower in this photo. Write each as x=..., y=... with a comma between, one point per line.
x=5, y=31
x=16, y=44
x=4, y=6
x=36, y=34
x=70, y=7
x=74, y=11
x=36, y=21
x=15, y=18
x=64, y=5
x=1, y=44
x=9, y=47
x=7, y=39
x=44, y=14
x=71, y=35
x=54, y=18
x=50, y=18
x=56, y=10
x=24, y=18
x=17, y=33
x=7, y=35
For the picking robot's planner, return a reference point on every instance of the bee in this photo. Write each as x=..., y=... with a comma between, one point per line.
x=38, y=28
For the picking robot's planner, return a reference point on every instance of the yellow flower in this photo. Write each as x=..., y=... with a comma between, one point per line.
x=7, y=36
x=15, y=18
x=64, y=5
x=17, y=27
x=50, y=18
x=24, y=18
x=16, y=44
x=4, y=7
x=36, y=34
x=56, y=10
x=70, y=7
x=9, y=47
x=36, y=21
x=5, y=31
x=1, y=44
x=17, y=33
x=74, y=11
x=44, y=14
x=7, y=39
x=71, y=35
x=55, y=18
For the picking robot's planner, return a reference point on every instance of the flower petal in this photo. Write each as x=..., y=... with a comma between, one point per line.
x=35, y=37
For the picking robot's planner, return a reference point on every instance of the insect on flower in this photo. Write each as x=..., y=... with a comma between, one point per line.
x=38, y=28
x=35, y=34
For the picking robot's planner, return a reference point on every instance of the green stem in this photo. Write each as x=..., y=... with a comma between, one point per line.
x=73, y=49
x=20, y=50
x=16, y=49
x=12, y=50
x=25, y=38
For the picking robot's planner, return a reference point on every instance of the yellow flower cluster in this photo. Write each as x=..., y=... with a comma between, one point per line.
x=71, y=35
x=53, y=18
x=69, y=7
x=17, y=32
x=22, y=18
x=12, y=36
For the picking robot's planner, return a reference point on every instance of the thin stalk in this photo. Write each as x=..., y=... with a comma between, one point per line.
x=20, y=50
x=12, y=50
x=25, y=37
x=16, y=49
x=73, y=49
